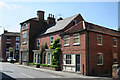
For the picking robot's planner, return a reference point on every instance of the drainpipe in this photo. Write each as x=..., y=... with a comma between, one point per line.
x=88, y=51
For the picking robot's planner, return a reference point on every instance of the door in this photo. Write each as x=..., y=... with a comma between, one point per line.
x=78, y=63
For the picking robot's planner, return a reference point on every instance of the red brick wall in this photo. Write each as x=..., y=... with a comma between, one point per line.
x=107, y=49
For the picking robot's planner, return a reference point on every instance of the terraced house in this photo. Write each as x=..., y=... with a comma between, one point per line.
x=86, y=48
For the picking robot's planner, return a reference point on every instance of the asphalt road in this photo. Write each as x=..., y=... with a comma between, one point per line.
x=12, y=72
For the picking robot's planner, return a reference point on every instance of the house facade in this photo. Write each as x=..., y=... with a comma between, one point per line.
x=86, y=48
x=10, y=40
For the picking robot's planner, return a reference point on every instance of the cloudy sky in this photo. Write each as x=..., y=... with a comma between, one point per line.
x=101, y=13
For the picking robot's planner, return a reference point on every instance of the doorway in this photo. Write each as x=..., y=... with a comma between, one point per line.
x=78, y=63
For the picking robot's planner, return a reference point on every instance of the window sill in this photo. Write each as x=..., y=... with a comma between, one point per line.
x=99, y=64
x=76, y=44
x=68, y=65
x=114, y=46
x=66, y=45
x=99, y=44
x=24, y=43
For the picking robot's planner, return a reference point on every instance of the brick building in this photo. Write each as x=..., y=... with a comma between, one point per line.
x=9, y=39
x=86, y=48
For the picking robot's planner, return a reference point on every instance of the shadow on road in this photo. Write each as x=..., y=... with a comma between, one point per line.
x=5, y=77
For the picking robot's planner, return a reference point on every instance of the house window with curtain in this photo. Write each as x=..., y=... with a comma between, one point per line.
x=24, y=37
x=76, y=39
x=38, y=42
x=66, y=40
x=115, y=57
x=24, y=26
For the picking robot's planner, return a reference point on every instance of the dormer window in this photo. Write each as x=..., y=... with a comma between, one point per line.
x=74, y=22
x=24, y=26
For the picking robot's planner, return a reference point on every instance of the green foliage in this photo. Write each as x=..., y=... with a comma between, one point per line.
x=34, y=63
x=46, y=65
x=55, y=54
x=118, y=29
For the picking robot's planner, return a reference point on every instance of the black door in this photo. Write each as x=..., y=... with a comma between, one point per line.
x=78, y=63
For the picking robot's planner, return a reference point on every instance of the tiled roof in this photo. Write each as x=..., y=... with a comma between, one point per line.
x=12, y=34
x=91, y=27
x=59, y=25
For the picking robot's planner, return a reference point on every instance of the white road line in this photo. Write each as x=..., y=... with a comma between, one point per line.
x=26, y=75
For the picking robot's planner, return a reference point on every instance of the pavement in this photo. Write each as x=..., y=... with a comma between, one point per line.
x=63, y=74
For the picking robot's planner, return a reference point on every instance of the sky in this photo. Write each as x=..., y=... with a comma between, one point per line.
x=100, y=13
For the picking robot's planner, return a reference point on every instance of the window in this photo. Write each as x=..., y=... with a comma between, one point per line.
x=74, y=22
x=76, y=39
x=24, y=26
x=38, y=58
x=115, y=57
x=8, y=45
x=51, y=39
x=8, y=38
x=66, y=40
x=68, y=59
x=114, y=42
x=38, y=42
x=24, y=37
x=7, y=54
x=17, y=38
x=48, y=58
x=17, y=46
x=24, y=56
x=99, y=40
x=100, y=59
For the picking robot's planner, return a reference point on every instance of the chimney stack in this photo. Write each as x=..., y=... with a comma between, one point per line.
x=50, y=19
x=40, y=15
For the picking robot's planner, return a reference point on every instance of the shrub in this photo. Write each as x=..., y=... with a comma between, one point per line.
x=46, y=65
x=34, y=63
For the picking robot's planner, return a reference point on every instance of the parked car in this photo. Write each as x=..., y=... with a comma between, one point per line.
x=11, y=59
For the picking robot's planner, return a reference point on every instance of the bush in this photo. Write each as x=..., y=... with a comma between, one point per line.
x=34, y=63
x=46, y=65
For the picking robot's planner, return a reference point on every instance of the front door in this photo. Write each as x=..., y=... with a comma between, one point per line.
x=78, y=63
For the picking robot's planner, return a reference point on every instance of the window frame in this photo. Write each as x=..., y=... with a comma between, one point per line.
x=67, y=37
x=38, y=39
x=24, y=38
x=17, y=38
x=78, y=36
x=102, y=59
x=49, y=58
x=114, y=57
x=113, y=42
x=24, y=25
x=51, y=39
x=101, y=40
x=18, y=46
x=74, y=22
x=8, y=39
x=70, y=59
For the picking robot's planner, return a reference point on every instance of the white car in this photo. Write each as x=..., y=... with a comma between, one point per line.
x=10, y=59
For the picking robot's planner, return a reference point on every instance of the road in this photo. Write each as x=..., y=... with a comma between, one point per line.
x=15, y=71
x=11, y=71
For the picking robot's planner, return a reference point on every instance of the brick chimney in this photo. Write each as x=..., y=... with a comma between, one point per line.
x=5, y=31
x=40, y=15
x=50, y=19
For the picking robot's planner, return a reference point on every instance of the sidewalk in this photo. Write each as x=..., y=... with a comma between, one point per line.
x=63, y=74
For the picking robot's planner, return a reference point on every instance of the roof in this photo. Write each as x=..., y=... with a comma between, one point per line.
x=12, y=33
x=59, y=25
x=91, y=27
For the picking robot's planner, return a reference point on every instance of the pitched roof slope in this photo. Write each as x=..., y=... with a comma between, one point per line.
x=12, y=33
x=59, y=25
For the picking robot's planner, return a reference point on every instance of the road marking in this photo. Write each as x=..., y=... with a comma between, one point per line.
x=26, y=75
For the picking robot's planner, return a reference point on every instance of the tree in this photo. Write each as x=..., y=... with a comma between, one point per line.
x=119, y=28
x=55, y=54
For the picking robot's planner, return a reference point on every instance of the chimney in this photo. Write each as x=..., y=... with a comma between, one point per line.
x=59, y=19
x=40, y=15
x=50, y=19
x=5, y=31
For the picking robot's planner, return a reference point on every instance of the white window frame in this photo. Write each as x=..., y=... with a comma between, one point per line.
x=17, y=38
x=113, y=42
x=22, y=37
x=24, y=25
x=102, y=58
x=78, y=36
x=18, y=46
x=38, y=39
x=51, y=40
x=101, y=40
x=9, y=39
x=67, y=37
x=67, y=59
